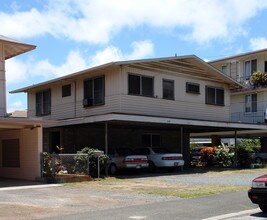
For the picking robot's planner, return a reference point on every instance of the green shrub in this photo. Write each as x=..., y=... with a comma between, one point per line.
x=47, y=164
x=245, y=156
x=81, y=161
x=223, y=156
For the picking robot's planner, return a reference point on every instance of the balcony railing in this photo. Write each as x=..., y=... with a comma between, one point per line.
x=254, y=113
x=249, y=84
x=248, y=117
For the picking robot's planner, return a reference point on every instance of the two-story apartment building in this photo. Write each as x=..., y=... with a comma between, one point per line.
x=250, y=103
x=153, y=102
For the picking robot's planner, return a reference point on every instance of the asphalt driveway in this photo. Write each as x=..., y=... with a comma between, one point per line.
x=35, y=201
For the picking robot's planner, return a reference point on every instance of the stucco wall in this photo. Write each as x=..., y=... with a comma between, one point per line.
x=30, y=149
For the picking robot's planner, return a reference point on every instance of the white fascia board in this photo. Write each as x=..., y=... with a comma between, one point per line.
x=158, y=120
x=229, y=133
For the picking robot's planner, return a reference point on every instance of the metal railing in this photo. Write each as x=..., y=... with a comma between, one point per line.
x=254, y=113
x=54, y=164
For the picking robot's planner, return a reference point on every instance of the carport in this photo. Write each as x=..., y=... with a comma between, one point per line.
x=113, y=129
x=20, y=148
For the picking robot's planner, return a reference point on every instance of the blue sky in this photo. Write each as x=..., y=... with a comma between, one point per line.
x=73, y=35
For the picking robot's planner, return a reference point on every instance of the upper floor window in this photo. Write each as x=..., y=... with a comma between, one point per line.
x=251, y=103
x=66, y=90
x=94, y=91
x=168, y=89
x=140, y=85
x=192, y=88
x=224, y=69
x=43, y=102
x=214, y=96
x=250, y=67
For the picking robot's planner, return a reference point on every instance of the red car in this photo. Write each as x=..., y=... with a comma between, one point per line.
x=258, y=192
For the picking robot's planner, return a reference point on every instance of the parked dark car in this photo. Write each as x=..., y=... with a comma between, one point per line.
x=260, y=157
x=196, y=155
x=258, y=192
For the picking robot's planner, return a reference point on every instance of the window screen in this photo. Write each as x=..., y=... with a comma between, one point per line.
x=10, y=153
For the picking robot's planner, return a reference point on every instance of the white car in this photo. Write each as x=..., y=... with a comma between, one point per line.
x=161, y=157
x=124, y=158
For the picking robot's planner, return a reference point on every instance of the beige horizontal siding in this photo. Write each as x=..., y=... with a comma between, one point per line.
x=30, y=148
x=177, y=109
x=111, y=105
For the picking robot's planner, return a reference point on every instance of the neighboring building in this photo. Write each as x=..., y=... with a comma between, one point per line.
x=18, y=114
x=20, y=138
x=154, y=102
x=248, y=104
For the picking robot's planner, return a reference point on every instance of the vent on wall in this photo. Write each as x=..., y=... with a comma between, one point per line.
x=88, y=102
x=192, y=88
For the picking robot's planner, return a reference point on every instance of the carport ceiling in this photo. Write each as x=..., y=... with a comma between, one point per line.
x=163, y=123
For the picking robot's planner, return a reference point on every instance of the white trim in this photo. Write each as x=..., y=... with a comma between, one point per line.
x=158, y=120
x=228, y=133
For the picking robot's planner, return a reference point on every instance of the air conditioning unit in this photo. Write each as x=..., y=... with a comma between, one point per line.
x=88, y=102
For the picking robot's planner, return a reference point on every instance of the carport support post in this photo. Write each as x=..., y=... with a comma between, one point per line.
x=106, y=138
x=106, y=144
x=235, y=162
x=182, y=145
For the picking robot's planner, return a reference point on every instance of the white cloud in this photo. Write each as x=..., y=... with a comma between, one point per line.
x=74, y=62
x=13, y=105
x=258, y=43
x=17, y=105
x=97, y=21
x=20, y=71
x=109, y=54
x=16, y=71
x=141, y=49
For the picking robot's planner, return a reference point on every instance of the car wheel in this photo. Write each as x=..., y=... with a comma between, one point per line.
x=151, y=166
x=263, y=208
x=258, y=160
x=113, y=169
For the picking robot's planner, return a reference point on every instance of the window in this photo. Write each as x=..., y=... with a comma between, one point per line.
x=140, y=85
x=265, y=66
x=66, y=90
x=250, y=67
x=214, y=96
x=168, y=89
x=224, y=69
x=192, y=88
x=94, y=91
x=251, y=103
x=43, y=102
x=10, y=153
x=151, y=140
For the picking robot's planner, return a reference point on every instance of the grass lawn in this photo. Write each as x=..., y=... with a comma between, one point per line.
x=165, y=188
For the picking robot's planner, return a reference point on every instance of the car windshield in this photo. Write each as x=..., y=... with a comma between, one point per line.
x=160, y=150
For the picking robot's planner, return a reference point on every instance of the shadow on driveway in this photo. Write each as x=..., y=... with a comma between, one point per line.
x=16, y=182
